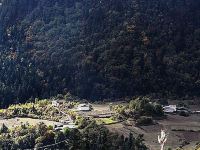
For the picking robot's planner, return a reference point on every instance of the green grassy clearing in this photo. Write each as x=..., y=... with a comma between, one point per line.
x=105, y=121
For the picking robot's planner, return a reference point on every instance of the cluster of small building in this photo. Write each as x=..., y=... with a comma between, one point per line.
x=67, y=121
x=84, y=109
x=80, y=107
x=175, y=109
x=169, y=108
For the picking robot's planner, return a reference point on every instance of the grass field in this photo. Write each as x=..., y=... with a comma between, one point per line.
x=106, y=121
x=10, y=123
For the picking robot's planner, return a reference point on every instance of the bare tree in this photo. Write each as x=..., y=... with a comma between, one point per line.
x=162, y=139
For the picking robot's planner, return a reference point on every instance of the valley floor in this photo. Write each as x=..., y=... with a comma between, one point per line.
x=183, y=131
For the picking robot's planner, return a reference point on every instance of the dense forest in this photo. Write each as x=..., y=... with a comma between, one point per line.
x=98, y=49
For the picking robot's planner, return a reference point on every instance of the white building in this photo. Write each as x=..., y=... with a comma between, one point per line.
x=169, y=108
x=64, y=121
x=62, y=127
x=70, y=125
x=84, y=107
x=55, y=103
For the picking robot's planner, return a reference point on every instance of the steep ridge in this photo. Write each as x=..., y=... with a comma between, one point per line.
x=99, y=48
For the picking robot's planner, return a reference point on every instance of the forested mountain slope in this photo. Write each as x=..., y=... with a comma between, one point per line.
x=99, y=48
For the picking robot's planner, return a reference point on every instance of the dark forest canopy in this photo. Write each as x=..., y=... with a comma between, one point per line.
x=99, y=48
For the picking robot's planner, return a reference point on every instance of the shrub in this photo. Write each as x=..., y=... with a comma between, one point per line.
x=139, y=103
x=149, y=109
x=143, y=106
x=119, y=109
x=184, y=113
x=159, y=110
x=81, y=122
x=143, y=120
x=43, y=103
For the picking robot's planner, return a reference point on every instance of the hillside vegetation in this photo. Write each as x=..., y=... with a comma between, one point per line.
x=41, y=136
x=98, y=49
